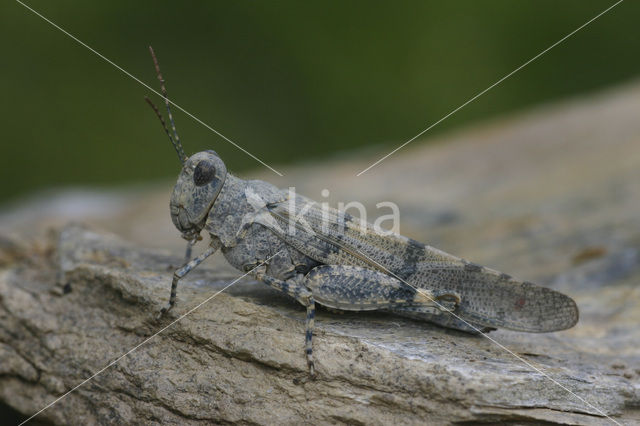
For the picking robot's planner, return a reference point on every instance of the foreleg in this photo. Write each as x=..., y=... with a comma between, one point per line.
x=187, y=252
x=181, y=272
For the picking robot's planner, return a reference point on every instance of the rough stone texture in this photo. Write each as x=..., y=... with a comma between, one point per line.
x=551, y=196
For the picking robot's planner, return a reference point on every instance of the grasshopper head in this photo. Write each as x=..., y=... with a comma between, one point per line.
x=198, y=186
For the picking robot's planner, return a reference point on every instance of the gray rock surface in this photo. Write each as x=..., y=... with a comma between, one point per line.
x=551, y=196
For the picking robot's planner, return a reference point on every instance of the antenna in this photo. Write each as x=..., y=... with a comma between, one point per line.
x=175, y=140
x=164, y=125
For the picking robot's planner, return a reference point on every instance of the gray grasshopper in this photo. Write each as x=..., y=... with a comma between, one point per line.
x=321, y=255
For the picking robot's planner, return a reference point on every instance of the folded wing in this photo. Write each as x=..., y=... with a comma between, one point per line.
x=488, y=297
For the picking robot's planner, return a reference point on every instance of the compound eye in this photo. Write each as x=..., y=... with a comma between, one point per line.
x=204, y=173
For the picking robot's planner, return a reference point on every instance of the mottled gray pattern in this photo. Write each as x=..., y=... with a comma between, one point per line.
x=489, y=298
x=355, y=288
x=321, y=254
x=190, y=203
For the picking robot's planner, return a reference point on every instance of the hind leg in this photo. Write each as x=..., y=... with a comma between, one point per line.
x=294, y=289
x=353, y=288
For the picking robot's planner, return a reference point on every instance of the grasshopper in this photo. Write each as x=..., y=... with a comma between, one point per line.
x=325, y=256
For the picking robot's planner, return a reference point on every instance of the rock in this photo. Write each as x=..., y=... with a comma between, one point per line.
x=550, y=196
x=239, y=358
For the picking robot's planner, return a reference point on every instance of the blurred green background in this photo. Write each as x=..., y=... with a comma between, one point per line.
x=288, y=81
